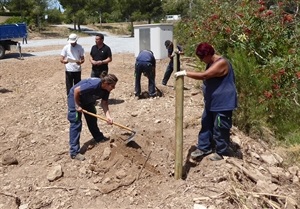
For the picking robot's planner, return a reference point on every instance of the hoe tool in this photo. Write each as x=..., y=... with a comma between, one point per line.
x=131, y=138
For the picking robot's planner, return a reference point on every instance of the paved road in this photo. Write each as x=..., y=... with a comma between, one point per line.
x=118, y=44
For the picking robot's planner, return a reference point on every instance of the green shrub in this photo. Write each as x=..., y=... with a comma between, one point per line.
x=13, y=20
x=54, y=16
x=262, y=43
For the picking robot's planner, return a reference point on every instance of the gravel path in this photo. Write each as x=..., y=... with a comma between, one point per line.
x=118, y=44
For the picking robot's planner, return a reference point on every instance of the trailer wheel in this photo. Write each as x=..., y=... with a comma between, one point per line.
x=2, y=51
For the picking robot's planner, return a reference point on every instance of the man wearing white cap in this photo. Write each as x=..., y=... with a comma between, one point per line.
x=72, y=55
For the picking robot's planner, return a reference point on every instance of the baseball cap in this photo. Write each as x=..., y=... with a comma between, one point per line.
x=72, y=38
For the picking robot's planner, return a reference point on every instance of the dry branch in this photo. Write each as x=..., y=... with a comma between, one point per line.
x=144, y=165
x=208, y=197
x=68, y=188
x=251, y=176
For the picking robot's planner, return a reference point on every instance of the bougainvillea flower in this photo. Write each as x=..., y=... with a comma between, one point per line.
x=268, y=94
x=281, y=72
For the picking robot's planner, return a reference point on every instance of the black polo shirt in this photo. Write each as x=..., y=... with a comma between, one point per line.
x=100, y=54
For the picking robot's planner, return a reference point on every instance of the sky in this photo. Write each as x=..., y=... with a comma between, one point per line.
x=56, y=5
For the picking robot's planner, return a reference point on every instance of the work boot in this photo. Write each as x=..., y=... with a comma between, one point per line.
x=215, y=157
x=104, y=139
x=79, y=157
x=199, y=153
x=95, y=143
x=153, y=95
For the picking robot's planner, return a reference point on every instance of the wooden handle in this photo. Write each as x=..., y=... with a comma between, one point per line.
x=104, y=119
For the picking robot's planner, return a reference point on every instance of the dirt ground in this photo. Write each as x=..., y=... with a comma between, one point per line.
x=34, y=147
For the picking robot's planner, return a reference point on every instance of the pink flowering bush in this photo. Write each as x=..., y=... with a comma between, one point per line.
x=261, y=39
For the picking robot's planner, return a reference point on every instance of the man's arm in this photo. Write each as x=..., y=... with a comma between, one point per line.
x=81, y=60
x=104, y=105
x=63, y=60
x=109, y=56
x=92, y=61
x=77, y=99
x=107, y=60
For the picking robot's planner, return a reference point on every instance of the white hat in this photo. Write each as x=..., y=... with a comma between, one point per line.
x=72, y=38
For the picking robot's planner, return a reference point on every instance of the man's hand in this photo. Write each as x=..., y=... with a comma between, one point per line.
x=110, y=121
x=180, y=73
x=78, y=108
x=64, y=61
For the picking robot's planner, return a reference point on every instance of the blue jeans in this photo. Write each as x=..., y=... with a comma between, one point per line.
x=215, y=131
x=74, y=118
x=149, y=71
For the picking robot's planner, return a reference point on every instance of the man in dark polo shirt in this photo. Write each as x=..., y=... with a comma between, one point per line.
x=100, y=56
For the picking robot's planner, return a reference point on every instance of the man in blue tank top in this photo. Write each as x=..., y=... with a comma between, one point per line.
x=220, y=97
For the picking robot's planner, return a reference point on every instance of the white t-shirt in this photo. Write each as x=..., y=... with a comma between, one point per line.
x=72, y=53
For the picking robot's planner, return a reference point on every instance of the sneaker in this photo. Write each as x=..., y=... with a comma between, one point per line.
x=233, y=153
x=216, y=157
x=94, y=143
x=200, y=153
x=79, y=157
x=229, y=152
x=152, y=95
x=104, y=139
x=136, y=97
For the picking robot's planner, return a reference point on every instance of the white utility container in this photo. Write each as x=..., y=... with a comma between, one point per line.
x=153, y=37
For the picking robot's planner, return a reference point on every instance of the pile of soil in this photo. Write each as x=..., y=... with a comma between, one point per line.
x=37, y=172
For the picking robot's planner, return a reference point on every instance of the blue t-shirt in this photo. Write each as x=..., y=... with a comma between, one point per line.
x=220, y=92
x=90, y=91
x=146, y=56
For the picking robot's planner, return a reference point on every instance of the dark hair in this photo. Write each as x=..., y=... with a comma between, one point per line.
x=168, y=43
x=204, y=49
x=100, y=35
x=110, y=79
x=103, y=74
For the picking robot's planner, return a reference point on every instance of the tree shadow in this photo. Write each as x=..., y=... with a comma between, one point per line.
x=16, y=55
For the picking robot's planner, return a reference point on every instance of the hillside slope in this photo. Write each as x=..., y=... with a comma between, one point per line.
x=34, y=144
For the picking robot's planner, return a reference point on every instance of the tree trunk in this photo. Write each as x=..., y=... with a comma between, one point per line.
x=132, y=29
